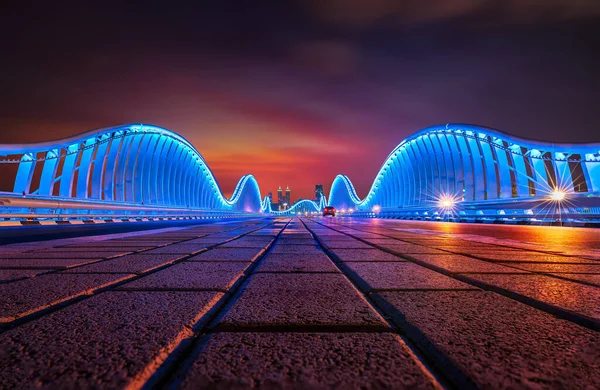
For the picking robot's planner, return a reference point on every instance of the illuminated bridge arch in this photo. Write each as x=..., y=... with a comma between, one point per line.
x=130, y=164
x=473, y=164
x=303, y=207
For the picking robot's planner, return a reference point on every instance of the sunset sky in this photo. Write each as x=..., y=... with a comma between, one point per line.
x=296, y=92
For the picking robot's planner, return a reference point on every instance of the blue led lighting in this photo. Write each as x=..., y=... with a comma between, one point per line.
x=473, y=165
x=446, y=171
x=130, y=164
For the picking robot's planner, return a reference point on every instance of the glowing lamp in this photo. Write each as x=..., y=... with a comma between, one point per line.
x=446, y=203
x=557, y=195
x=376, y=209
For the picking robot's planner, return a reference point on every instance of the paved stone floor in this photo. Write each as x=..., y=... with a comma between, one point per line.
x=304, y=303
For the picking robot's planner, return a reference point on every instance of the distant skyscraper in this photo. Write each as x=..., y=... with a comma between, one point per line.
x=279, y=195
x=318, y=191
x=288, y=197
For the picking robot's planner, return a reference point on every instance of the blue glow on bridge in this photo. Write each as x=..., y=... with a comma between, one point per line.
x=136, y=167
x=465, y=169
x=450, y=171
x=302, y=207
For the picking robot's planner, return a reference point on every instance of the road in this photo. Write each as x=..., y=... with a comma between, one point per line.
x=298, y=303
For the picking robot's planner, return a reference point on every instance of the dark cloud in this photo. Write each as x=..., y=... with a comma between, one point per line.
x=361, y=13
x=329, y=87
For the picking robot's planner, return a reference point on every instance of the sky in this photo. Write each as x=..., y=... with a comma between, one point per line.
x=296, y=92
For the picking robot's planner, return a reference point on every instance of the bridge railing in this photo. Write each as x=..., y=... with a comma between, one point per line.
x=13, y=207
x=574, y=209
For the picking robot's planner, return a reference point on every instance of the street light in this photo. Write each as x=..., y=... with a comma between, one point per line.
x=558, y=195
x=446, y=203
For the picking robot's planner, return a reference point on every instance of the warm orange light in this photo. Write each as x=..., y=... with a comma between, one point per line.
x=376, y=209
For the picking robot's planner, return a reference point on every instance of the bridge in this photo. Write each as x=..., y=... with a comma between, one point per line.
x=125, y=171
x=452, y=172
x=472, y=173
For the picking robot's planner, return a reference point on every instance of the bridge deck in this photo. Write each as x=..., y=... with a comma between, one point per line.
x=304, y=303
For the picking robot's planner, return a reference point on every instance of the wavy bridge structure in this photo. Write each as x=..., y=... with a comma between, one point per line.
x=472, y=172
x=303, y=207
x=128, y=170
x=452, y=171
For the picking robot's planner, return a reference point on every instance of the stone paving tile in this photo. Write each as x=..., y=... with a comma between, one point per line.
x=365, y=255
x=466, y=245
x=133, y=264
x=192, y=275
x=281, y=262
x=349, y=244
x=296, y=236
x=265, y=232
x=288, y=300
x=106, y=251
x=531, y=257
x=399, y=276
x=365, y=236
x=181, y=249
x=296, y=241
x=248, y=242
x=383, y=241
x=206, y=241
x=413, y=249
x=13, y=274
x=458, y=263
x=111, y=244
x=300, y=249
x=491, y=249
x=588, y=278
x=225, y=236
x=65, y=254
x=144, y=241
x=453, y=248
x=43, y=263
x=571, y=296
x=498, y=342
x=23, y=297
x=306, y=361
x=330, y=234
x=558, y=267
x=111, y=340
x=228, y=254
x=339, y=241
x=175, y=237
